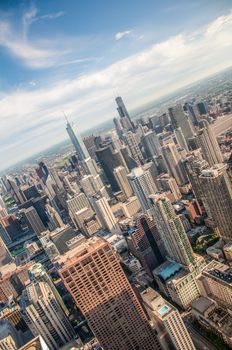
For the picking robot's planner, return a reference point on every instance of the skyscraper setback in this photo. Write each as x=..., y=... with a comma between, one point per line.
x=93, y=276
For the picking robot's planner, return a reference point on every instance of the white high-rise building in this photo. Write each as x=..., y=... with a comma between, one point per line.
x=167, y=321
x=131, y=140
x=174, y=163
x=77, y=203
x=77, y=142
x=120, y=174
x=105, y=215
x=171, y=230
x=207, y=141
x=180, y=120
x=44, y=315
x=143, y=186
x=151, y=144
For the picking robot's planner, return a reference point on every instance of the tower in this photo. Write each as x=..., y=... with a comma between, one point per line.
x=174, y=163
x=180, y=120
x=44, y=316
x=33, y=220
x=217, y=189
x=151, y=144
x=143, y=186
x=93, y=276
x=130, y=139
x=105, y=215
x=207, y=141
x=124, y=115
x=120, y=174
x=171, y=231
x=77, y=142
x=167, y=321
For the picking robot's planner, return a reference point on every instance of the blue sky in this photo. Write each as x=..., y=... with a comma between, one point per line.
x=76, y=55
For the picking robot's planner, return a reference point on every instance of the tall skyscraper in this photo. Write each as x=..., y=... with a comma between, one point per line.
x=132, y=143
x=143, y=186
x=207, y=141
x=105, y=215
x=180, y=120
x=9, y=337
x=5, y=256
x=151, y=144
x=217, y=188
x=120, y=174
x=93, y=276
x=174, y=163
x=167, y=321
x=77, y=142
x=109, y=160
x=33, y=220
x=179, y=136
x=171, y=230
x=44, y=316
x=124, y=115
x=144, y=242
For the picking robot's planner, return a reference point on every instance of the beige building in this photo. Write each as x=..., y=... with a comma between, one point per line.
x=44, y=315
x=216, y=283
x=217, y=188
x=120, y=174
x=167, y=321
x=93, y=275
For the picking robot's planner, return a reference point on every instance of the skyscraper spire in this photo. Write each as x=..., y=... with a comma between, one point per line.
x=77, y=142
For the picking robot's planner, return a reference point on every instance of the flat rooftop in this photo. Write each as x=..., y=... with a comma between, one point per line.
x=219, y=270
x=86, y=247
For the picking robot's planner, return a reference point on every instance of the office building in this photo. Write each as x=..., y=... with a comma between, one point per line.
x=178, y=283
x=217, y=188
x=44, y=316
x=179, y=136
x=77, y=142
x=105, y=215
x=77, y=203
x=216, y=283
x=120, y=174
x=207, y=141
x=11, y=312
x=180, y=120
x=93, y=276
x=4, y=235
x=202, y=108
x=36, y=343
x=15, y=191
x=90, y=144
x=118, y=127
x=167, y=320
x=171, y=231
x=167, y=183
x=9, y=337
x=144, y=242
x=33, y=220
x=174, y=163
x=143, y=186
x=151, y=144
x=124, y=115
x=109, y=160
x=5, y=256
x=132, y=143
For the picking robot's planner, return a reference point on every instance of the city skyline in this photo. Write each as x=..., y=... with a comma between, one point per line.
x=42, y=76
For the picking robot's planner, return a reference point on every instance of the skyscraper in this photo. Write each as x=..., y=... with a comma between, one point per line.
x=143, y=186
x=207, y=141
x=120, y=174
x=33, y=220
x=124, y=115
x=151, y=144
x=171, y=230
x=105, y=215
x=144, y=242
x=131, y=141
x=167, y=321
x=5, y=256
x=93, y=276
x=217, y=188
x=174, y=163
x=9, y=337
x=109, y=160
x=180, y=120
x=44, y=316
x=77, y=142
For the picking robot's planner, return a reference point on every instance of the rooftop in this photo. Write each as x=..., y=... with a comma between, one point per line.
x=167, y=269
x=220, y=271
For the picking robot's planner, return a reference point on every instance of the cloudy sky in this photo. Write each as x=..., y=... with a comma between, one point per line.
x=76, y=55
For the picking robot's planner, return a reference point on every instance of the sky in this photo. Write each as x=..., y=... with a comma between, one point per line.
x=76, y=56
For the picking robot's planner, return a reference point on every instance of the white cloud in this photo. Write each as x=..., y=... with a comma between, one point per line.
x=32, y=119
x=121, y=35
